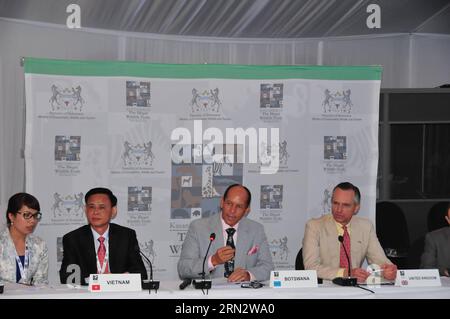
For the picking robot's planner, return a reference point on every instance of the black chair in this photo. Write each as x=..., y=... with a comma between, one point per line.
x=392, y=232
x=299, y=261
x=300, y=266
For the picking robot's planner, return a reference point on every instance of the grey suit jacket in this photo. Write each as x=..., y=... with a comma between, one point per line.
x=38, y=264
x=436, y=252
x=250, y=234
x=321, y=247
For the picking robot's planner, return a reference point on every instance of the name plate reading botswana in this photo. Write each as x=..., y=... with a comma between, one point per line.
x=293, y=279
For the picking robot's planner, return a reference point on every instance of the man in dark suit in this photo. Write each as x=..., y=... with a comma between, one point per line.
x=437, y=249
x=100, y=246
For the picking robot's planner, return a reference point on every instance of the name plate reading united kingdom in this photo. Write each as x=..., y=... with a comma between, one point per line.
x=418, y=278
x=114, y=282
x=293, y=279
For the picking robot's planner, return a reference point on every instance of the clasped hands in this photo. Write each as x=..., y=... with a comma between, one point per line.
x=389, y=272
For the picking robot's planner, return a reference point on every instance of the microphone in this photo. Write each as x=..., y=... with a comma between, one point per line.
x=341, y=240
x=149, y=284
x=185, y=283
x=345, y=281
x=212, y=237
x=205, y=284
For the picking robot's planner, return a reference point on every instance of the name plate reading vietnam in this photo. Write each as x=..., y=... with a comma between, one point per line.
x=293, y=279
x=418, y=278
x=114, y=282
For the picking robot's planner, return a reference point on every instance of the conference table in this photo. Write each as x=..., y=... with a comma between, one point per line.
x=222, y=290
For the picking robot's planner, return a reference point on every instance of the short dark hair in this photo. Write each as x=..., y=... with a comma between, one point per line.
x=249, y=195
x=101, y=190
x=346, y=186
x=18, y=200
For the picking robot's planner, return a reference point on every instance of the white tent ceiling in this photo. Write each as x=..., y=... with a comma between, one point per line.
x=413, y=44
x=241, y=18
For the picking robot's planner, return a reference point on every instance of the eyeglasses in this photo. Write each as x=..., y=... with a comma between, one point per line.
x=27, y=215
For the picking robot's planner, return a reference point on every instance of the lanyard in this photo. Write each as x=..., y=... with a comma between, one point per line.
x=101, y=269
x=23, y=268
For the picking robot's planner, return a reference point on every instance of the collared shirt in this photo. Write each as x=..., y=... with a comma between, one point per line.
x=97, y=236
x=340, y=232
x=225, y=226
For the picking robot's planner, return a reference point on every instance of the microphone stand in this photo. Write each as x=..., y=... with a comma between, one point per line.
x=345, y=281
x=149, y=284
x=204, y=284
x=348, y=281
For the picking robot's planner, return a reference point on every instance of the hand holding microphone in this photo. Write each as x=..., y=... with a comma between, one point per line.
x=222, y=255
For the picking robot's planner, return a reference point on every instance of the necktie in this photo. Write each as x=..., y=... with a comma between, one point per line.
x=346, y=243
x=229, y=265
x=101, y=253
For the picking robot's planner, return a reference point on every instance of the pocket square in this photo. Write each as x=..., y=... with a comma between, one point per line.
x=253, y=250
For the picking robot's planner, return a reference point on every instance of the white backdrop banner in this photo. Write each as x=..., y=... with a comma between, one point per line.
x=168, y=139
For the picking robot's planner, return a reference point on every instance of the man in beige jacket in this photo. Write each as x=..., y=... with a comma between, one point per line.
x=322, y=246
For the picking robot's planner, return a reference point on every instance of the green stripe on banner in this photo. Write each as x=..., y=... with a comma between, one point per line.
x=199, y=71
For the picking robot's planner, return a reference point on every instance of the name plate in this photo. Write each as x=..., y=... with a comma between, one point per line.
x=114, y=282
x=418, y=278
x=293, y=279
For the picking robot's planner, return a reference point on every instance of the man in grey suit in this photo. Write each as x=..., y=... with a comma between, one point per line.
x=326, y=237
x=240, y=251
x=436, y=253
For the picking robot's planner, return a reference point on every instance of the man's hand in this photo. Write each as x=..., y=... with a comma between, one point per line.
x=239, y=274
x=360, y=274
x=389, y=271
x=222, y=255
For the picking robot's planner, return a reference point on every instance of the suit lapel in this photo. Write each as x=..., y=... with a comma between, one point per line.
x=87, y=241
x=445, y=259
x=216, y=227
x=112, y=247
x=355, y=242
x=355, y=239
x=243, y=241
x=332, y=239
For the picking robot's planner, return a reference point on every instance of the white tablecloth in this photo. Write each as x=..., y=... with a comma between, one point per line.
x=170, y=290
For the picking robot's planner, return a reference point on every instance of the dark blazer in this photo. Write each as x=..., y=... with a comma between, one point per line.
x=79, y=249
x=436, y=253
